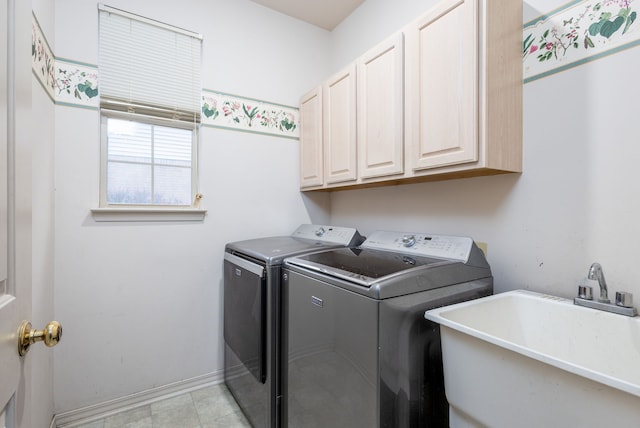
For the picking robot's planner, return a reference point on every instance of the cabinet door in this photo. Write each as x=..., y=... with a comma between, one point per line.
x=381, y=109
x=339, y=115
x=311, y=160
x=442, y=89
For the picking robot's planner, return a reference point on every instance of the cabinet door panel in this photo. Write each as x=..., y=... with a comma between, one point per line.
x=311, y=161
x=339, y=99
x=381, y=109
x=442, y=52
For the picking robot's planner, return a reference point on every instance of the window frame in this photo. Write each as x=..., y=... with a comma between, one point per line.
x=178, y=109
x=104, y=160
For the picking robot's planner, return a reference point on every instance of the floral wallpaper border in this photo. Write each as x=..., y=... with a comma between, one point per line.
x=579, y=32
x=42, y=59
x=75, y=84
x=228, y=111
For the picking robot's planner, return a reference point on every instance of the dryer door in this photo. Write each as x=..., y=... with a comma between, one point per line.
x=245, y=313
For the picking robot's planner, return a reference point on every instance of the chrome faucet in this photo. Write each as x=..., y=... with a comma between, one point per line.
x=624, y=300
x=595, y=273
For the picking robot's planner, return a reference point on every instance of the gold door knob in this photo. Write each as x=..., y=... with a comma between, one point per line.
x=50, y=335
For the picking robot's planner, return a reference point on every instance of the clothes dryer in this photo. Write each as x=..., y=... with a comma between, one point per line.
x=252, y=319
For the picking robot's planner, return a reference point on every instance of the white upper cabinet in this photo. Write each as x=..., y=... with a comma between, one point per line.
x=464, y=90
x=442, y=99
x=442, y=77
x=381, y=109
x=339, y=126
x=362, y=121
x=311, y=153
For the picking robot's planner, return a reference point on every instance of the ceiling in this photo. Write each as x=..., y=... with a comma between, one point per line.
x=325, y=14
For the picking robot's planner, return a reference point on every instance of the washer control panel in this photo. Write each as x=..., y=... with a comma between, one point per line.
x=421, y=244
x=327, y=234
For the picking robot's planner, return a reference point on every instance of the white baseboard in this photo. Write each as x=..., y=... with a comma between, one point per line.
x=95, y=412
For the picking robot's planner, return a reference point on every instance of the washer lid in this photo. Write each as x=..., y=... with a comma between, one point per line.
x=364, y=266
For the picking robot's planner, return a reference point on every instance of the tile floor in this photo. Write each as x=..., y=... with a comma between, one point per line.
x=211, y=407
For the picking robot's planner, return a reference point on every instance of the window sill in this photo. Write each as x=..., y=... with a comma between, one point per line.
x=148, y=214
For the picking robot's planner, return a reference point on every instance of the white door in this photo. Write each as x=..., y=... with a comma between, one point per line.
x=15, y=209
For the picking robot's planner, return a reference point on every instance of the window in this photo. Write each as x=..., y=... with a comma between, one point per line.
x=150, y=98
x=148, y=163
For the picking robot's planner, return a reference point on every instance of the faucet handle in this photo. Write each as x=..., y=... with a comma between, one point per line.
x=624, y=299
x=585, y=292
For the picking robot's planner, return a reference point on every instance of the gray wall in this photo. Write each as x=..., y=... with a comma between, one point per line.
x=141, y=303
x=576, y=201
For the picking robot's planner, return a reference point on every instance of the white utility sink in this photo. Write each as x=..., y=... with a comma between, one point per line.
x=523, y=359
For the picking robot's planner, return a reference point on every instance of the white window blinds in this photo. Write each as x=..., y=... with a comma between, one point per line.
x=149, y=68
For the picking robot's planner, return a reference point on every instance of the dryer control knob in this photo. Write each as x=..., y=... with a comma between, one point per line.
x=409, y=240
x=321, y=231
